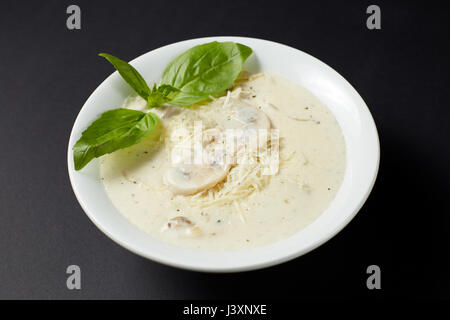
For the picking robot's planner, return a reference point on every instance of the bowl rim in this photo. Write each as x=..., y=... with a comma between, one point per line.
x=249, y=266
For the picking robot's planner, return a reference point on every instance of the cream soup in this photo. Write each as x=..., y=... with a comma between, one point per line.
x=268, y=188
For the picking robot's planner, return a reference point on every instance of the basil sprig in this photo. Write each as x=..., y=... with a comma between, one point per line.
x=201, y=72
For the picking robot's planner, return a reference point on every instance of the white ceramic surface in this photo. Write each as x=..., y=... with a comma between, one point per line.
x=341, y=98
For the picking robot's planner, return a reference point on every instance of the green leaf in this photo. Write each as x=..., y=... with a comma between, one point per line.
x=115, y=129
x=205, y=70
x=160, y=95
x=130, y=75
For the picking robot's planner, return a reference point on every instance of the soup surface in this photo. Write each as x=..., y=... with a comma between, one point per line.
x=268, y=188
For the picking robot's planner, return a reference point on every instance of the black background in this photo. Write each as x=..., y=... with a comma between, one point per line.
x=402, y=71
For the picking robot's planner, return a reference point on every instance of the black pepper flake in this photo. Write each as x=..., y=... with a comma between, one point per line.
x=219, y=221
x=134, y=182
x=253, y=96
x=329, y=188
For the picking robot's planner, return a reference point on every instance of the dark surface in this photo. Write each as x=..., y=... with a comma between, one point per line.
x=402, y=71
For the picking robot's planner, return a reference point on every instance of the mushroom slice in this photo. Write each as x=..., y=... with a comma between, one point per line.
x=187, y=179
x=249, y=117
x=252, y=122
x=179, y=221
x=182, y=226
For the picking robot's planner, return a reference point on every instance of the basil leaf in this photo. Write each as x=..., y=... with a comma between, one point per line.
x=205, y=70
x=115, y=129
x=160, y=95
x=129, y=74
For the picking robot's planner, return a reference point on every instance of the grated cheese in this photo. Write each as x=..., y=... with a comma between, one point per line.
x=244, y=178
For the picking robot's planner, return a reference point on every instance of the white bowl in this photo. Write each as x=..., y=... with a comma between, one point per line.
x=341, y=98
